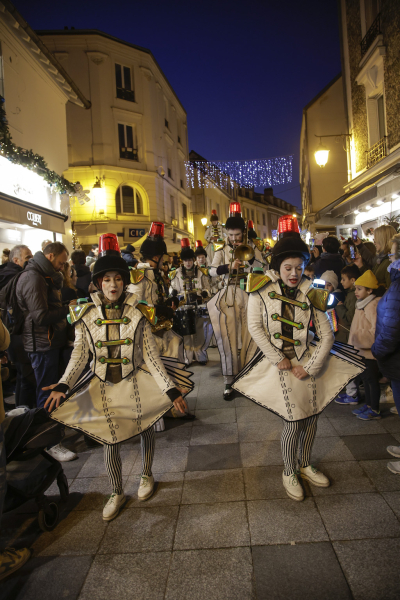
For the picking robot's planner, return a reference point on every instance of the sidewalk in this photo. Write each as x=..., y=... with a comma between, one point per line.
x=220, y=526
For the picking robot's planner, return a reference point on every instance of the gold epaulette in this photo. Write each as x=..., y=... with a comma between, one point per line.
x=256, y=281
x=259, y=244
x=137, y=275
x=218, y=246
x=76, y=311
x=172, y=274
x=204, y=270
x=147, y=311
x=318, y=298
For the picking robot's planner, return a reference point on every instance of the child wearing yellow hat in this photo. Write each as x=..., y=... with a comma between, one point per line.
x=362, y=336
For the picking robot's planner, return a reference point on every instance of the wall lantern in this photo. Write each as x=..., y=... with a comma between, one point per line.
x=204, y=221
x=322, y=153
x=99, y=195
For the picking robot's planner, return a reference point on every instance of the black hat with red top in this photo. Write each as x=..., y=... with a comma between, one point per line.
x=235, y=219
x=186, y=252
x=251, y=234
x=214, y=216
x=154, y=244
x=199, y=249
x=289, y=243
x=110, y=259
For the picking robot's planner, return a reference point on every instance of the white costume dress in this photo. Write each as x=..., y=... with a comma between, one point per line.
x=196, y=344
x=229, y=317
x=115, y=412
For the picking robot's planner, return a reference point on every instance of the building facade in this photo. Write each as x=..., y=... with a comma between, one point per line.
x=36, y=90
x=128, y=151
x=212, y=189
x=370, y=38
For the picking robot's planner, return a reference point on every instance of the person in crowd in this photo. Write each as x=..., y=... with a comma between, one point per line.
x=345, y=252
x=315, y=254
x=331, y=284
x=45, y=243
x=192, y=284
x=45, y=328
x=365, y=263
x=10, y=559
x=386, y=347
x=289, y=376
x=382, y=239
x=228, y=308
x=83, y=274
x=362, y=336
x=5, y=256
x=127, y=255
x=93, y=254
x=130, y=392
x=69, y=290
x=214, y=234
x=25, y=387
x=309, y=271
x=19, y=256
x=330, y=259
x=165, y=272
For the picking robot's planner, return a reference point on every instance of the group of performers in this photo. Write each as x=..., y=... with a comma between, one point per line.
x=140, y=337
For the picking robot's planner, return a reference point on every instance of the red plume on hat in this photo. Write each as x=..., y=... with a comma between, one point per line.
x=186, y=251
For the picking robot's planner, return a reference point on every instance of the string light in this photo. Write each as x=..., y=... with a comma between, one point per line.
x=265, y=172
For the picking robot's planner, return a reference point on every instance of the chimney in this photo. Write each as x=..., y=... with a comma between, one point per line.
x=268, y=192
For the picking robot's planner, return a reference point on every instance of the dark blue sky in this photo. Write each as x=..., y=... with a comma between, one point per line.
x=242, y=70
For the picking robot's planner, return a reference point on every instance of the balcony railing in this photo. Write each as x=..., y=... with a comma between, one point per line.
x=125, y=94
x=129, y=153
x=371, y=34
x=376, y=152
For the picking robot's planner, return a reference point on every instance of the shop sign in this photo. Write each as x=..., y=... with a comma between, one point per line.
x=136, y=233
x=35, y=218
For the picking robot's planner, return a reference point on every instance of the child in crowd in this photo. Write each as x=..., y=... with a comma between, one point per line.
x=309, y=271
x=331, y=284
x=362, y=336
x=345, y=310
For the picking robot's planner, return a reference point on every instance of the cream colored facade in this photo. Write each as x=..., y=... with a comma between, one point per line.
x=134, y=136
x=264, y=209
x=36, y=93
x=324, y=115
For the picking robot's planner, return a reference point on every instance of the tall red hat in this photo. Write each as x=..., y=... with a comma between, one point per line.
x=156, y=230
x=288, y=225
x=185, y=243
x=108, y=244
x=235, y=220
x=154, y=244
x=200, y=249
x=198, y=244
x=110, y=259
x=214, y=215
x=235, y=210
x=186, y=251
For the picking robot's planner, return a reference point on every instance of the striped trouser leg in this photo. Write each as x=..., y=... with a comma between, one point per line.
x=112, y=460
x=289, y=445
x=147, y=444
x=306, y=439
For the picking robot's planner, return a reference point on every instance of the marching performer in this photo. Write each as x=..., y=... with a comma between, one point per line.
x=193, y=283
x=258, y=243
x=291, y=375
x=228, y=308
x=215, y=235
x=202, y=262
x=128, y=388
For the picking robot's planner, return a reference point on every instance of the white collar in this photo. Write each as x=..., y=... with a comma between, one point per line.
x=360, y=304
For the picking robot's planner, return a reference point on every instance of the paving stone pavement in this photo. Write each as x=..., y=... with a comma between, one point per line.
x=220, y=525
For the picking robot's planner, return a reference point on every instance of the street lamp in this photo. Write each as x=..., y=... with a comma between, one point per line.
x=204, y=221
x=322, y=153
x=99, y=195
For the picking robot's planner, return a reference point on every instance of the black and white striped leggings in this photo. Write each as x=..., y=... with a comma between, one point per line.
x=112, y=459
x=297, y=442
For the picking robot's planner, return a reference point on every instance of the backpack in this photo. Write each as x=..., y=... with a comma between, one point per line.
x=12, y=315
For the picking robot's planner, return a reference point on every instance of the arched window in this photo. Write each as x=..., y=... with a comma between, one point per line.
x=128, y=201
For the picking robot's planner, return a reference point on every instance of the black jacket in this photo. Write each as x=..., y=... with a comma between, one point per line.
x=84, y=278
x=7, y=272
x=329, y=262
x=39, y=297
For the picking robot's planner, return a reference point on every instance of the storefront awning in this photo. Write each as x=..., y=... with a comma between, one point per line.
x=24, y=213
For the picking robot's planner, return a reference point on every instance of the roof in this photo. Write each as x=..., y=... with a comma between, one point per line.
x=41, y=53
x=83, y=32
x=322, y=92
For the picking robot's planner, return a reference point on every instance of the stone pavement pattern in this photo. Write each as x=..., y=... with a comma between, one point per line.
x=220, y=525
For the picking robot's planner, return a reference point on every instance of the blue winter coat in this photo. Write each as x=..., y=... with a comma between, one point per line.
x=129, y=259
x=386, y=347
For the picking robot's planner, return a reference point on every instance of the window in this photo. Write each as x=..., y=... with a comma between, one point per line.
x=123, y=79
x=173, y=215
x=252, y=215
x=1, y=74
x=128, y=201
x=263, y=217
x=381, y=117
x=218, y=210
x=258, y=217
x=169, y=163
x=127, y=142
x=372, y=9
x=166, y=118
x=184, y=217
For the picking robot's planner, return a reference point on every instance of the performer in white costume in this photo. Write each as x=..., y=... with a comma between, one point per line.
x=128, y=388
x=256, y=242
x=228, y=308
x=191, y=284
x=202, y=262
x=215, y=235
x=290, y=374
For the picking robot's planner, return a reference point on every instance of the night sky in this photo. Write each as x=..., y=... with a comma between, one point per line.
x=242, y=70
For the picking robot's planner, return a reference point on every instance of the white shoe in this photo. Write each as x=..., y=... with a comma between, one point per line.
x=61, y=454
x=293, y=487
x=394, y=410
x=394, y=467
x=146, y=487
x=228, y=392
x=394, y=451
x=113, y=506
x=159, y=425
x=314, y=476
x=386, y=395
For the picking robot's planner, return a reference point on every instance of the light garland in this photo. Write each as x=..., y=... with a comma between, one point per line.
x=265, y=172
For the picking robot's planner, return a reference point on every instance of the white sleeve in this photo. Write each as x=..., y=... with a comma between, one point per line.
x=176, y=285
x=324, y=331
x=208, y=234
x=205, y=284
x=153, y=361
x=139, y=289
x=255, y=322
x=218, y=260
x=79, y=357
